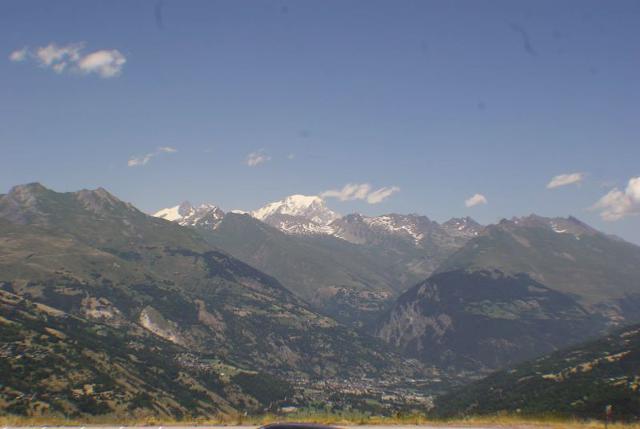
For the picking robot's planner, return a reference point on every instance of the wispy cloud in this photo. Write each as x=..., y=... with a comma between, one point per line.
x=379, y=195
x=475, y=200
x=18, y=55
x=565, y=179
x=362, y=191
x=167, y=149
x=617, y=204
x=256, y=158
x=140, y=161
x=348, y=192
x=106, y=63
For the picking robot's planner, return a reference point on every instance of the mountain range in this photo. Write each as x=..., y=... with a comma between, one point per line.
x=101, y=266
x=350, y=267
x=290, y=294
x=554, y=278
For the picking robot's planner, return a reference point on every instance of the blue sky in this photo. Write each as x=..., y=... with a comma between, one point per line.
x=433, y=102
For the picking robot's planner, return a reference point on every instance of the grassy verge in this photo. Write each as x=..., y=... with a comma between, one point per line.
x=341, y=419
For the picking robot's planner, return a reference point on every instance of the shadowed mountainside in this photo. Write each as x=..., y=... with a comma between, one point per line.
x=483, y=320
x=577, y=382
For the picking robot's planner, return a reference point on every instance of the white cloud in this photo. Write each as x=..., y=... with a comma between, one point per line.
x=565, y=179
x=475, y=200
x=363, y=191
x=138, y=161
x=381, y=194
x=617, y=204
x=59, y=67
x=106, y=63
x=18, y=55
x=348, y=192
x=53, y=54
x=256, y=158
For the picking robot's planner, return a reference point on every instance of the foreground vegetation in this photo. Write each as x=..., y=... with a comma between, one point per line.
x=341, y=419
x=579, y=381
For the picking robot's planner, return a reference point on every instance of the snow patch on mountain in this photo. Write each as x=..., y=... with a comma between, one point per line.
x=185, y=214
x=171, y=213
x=557, y=229
x=464, y=227
x=398, y=224
x=559, y=225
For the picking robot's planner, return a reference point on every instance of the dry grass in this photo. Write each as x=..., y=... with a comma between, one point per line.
x=344, y=419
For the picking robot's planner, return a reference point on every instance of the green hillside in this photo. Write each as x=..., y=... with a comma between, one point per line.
x=332, y=274
x=54, y=363
x=575, y=382
x=601, y=271
x=96, y=258
x=521, y=288
x=353, y=282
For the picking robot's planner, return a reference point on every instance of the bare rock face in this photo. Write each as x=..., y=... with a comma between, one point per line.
x=103, y=310
x=152, y=320
x=21, y=204
x=464, y=227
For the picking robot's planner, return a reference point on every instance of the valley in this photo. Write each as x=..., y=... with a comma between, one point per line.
x=195, y=312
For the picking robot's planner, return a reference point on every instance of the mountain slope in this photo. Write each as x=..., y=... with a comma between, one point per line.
x=518, y=289
x=412, y=246
x=353, y=282
x=483, y=320
x=332, y=274
x=91, y=255
x=464, y=227
x=55, y=363
x=603, y=272
x=579, y=382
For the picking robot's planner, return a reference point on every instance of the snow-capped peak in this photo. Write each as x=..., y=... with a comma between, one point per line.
x=310, y=207
x=570, y=225
x=298, y=214
x=410, y=225
x=559, y=225
x=462, y=227
x=360, y=229
x=205, y=215
x=175, y=213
